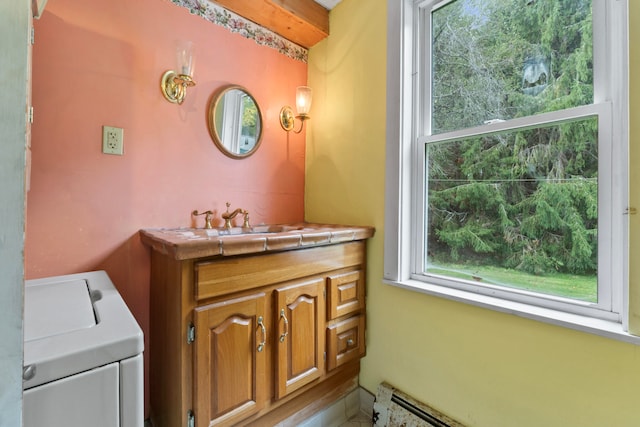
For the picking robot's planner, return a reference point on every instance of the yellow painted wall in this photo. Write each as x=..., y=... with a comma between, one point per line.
x=634, y=161
x=482, y=367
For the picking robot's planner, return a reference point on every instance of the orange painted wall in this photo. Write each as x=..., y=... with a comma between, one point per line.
x=99, y=62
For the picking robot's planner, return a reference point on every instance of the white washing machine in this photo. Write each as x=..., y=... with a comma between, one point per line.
x=82, y=354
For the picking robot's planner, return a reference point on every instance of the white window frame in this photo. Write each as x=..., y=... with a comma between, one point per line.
x=404, y=183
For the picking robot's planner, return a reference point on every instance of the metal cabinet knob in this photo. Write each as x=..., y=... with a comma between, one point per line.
x=28, y=372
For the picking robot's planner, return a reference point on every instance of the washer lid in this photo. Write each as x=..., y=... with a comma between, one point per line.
x=57, y=308
x=75, y=323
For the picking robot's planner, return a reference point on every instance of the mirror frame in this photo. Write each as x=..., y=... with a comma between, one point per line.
x=211, y=116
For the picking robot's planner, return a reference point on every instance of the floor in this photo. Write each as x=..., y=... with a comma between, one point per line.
x=360, y=420
x=354, y=410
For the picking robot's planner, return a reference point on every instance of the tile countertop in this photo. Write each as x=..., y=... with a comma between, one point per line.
x=188, y=243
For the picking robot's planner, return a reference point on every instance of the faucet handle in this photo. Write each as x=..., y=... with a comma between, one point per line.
x=207, y=218
x=246, y=220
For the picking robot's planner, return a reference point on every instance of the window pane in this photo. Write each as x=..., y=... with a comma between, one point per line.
x=501, y=59
x=517, y=209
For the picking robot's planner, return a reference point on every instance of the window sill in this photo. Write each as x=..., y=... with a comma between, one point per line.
x=604, y=328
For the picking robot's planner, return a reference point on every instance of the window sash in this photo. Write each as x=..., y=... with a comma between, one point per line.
x=608, y=304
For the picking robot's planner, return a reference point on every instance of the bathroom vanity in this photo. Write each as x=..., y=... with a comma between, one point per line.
x=251, y=326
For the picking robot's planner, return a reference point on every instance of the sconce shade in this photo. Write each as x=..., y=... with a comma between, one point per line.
x=303, y=105
x=184, y=55
x=303, y=100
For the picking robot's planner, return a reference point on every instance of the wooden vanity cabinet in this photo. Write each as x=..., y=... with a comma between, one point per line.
x=253, y=339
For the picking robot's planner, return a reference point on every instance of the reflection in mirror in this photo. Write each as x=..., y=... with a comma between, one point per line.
x=235, y=122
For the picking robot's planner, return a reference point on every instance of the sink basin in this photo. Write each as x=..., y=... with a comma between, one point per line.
x=240, y=231
x=259, y=229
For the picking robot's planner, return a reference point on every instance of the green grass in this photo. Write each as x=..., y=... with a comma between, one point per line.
x=583, y=288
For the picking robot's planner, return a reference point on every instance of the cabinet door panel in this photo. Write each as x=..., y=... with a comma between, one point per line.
x=230, y=362
x=300, y=342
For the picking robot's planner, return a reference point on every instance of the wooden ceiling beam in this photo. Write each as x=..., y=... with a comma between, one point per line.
x=304, y=22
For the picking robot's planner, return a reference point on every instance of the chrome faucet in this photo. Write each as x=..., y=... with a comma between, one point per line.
x=228, y=216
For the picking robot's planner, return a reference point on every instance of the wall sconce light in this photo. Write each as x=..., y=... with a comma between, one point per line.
x=303, y=104
x=174, y=83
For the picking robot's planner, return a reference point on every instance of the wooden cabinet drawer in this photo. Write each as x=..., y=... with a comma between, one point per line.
x=345, y=341
x=345, y=294
x=225, y=275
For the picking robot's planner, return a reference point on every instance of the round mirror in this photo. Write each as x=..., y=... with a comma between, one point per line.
x=235, y=121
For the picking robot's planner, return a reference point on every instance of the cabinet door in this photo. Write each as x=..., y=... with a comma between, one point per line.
x=230, y=361
x=299, y=317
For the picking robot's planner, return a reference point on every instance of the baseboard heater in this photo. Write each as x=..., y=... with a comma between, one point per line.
x=393, y=408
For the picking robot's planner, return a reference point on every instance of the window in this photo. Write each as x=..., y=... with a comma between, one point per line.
x=506, y=152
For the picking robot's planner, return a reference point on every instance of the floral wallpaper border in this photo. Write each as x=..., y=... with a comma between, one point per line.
x=237, y=24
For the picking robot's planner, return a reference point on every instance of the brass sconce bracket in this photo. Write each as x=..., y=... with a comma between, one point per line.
x=287, y=119
x=174, y=86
